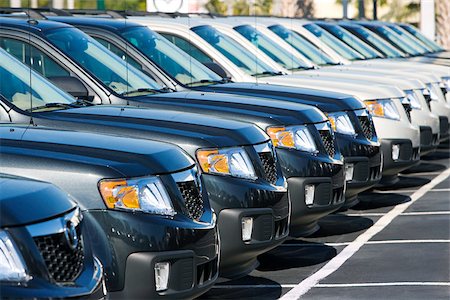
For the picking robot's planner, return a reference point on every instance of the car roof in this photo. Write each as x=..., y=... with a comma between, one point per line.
x=36, y=26
x=103, y=23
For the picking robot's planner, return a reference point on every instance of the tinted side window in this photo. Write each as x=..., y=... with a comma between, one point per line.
x=33, y=57
x=119, y=52
x=187, y=47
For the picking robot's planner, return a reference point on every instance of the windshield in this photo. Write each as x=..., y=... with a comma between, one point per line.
x=430, y=43
x=333, y=42
x=302, y=45
x=175, y=62
x=374, y=40
x=26, y=89
x=351, y=40
x=270, y=48
x=408, y=38
x=233, y=51
x=394, y=39
x=120, y=77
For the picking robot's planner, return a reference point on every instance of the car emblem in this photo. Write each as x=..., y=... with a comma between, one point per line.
x=71, y=235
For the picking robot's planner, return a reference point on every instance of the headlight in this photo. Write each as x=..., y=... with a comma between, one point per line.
x=413, y=101
x=12, y=267
x=295, y=137
x=340, y=122
x=229, y=161
x=383, y=109
x=142, y=194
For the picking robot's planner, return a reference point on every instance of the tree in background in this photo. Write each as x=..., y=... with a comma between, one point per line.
x=400, y=12
x=443, y=23
x=305, y=9
x=216, y=7
x=259, y=7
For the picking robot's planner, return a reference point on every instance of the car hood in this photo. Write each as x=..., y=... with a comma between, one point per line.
x=324, y=100
x=362, y=90
x=187, y=130
x=107, y=155
x=26, y=201
x=260, y=111
x=400, y=81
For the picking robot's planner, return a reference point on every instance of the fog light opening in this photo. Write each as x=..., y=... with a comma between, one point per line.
x=349, y=168
x=162, y=270
x=247, y=228
x=395, y=151
x=309, y=194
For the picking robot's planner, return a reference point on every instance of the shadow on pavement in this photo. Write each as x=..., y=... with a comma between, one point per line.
x=406, y=182
x=288, y=257
x=369, y=201
x=439, y=154
x=425, y=167
x=337, y=224
x=272, y=292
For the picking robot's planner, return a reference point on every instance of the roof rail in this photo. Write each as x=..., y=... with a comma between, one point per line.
x=16, y=12
x=114, y=14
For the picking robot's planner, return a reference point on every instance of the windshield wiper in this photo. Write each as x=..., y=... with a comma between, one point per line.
x=54, y=105
x=141, y=90
x=206, y=81
x=268, y=73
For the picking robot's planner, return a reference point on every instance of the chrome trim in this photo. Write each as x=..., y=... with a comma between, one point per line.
x=187, y=175
x=265, y=147
x=323, y=126
x=55, y=226
x=363, y=112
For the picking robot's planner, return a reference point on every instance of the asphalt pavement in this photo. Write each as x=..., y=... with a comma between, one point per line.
x=395, y=244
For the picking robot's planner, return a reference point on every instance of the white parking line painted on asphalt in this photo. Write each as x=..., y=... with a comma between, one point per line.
x=426, y=213
x=251, y=286
x=413, y=213
x=368, y=243
x=336, y=262
x=372, y=284
x=331, y=285
x=440, y=190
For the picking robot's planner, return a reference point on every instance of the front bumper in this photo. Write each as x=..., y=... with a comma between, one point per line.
x=327, y=176
x=85, y=287
x=129, y=244
x=444, y=127
x=428, y=140
x=232, y=199
x=408, y=157
x=189, y=275
x=240, y=257
x=366, y=157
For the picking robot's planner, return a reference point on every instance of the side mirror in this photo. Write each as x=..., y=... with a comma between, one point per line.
x=71, y=85
x=216, y=69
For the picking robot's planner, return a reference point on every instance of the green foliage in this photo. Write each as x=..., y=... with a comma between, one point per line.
x=400, y=12
x=241, y=7
x=261, y=7
x=216, y=7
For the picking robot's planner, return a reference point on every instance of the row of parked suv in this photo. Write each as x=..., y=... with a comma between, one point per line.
x=182, y=147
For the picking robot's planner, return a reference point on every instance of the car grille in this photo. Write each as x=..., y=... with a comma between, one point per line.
x=328, y=142
x=367, y=127
x=63, y=263
x=428, y=100
x=407, y=108
x=269, y=165
x=192, y=199
x=374, y=173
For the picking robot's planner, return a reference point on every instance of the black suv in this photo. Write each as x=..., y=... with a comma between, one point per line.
x=44, y=250
x=153, y=54
x=143, y=205
x=238, y=166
